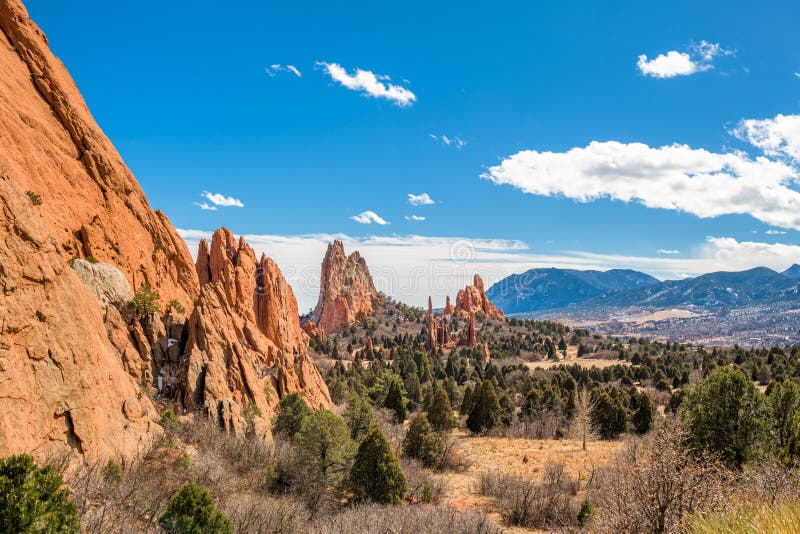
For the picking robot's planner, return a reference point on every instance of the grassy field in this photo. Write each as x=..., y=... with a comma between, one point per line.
x=521, y=457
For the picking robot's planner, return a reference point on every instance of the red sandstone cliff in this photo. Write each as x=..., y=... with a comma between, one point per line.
x=473, y=299
x=246, y=348
x=346, y=289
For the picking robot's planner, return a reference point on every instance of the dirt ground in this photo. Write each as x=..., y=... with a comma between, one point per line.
x=508, y=455
x=572, y=359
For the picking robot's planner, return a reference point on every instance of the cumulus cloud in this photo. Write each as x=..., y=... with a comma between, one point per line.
x=420, y=200
x=219, y=199
x=667, y=251
x=697, y=58
x=674, y=177
x=370, y=84
x=205, y=206
x=414, y=218
x=411, y=267
x=449, y=141
x=369, y=217
x=777, y=137
x=275, y=69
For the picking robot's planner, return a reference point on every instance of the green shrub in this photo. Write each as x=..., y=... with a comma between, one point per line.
x=422, y=443
x=396, y=401
x=145, y=301
x=113, y=472
x=585, y=513
x=192, y=511
x=169, y=420
x=176, y=306
x=440, y=413
x=323, y=450
x=32, y=499
x=35, y=199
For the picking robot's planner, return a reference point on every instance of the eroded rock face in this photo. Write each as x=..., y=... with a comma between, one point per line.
x=246, y=348
x=346, y=289
x=473, y=299
x=71, y=371
x=64, y=382
x=51, y=145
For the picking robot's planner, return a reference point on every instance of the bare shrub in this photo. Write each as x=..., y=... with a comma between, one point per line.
x=526, y=503
x=653, y=484
x=376, y=519
x=258, y=514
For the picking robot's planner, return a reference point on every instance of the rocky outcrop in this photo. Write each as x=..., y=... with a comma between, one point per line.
x=51, y=145
x=72, y=364
x=246, y=348
x=438, y=331
x=64, y=383
x=448, y=308
x=469, y=337
x=313, y=331
x=346, y=291
x=473, y=299
x=108, y=283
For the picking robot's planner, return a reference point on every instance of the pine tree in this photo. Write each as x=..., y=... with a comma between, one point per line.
x=192, y=511
x=395, y=401
x=323, y=449
x=422, y=443
x=358, y=416
x=642, y=418
x=440, y=414
x=466, y=401
x=291, y=411
x=376, y=473
x=485, y=412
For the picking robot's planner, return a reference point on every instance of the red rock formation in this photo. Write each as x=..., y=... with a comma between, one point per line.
x=51, y=145
x=472, y=299
x=431, y=341
x=313, y=331
x=368, y=346
x=346, y=289
x=448, y=308
x=246, y=348
x=70, y=371
x=486, y=356
x=469, y=338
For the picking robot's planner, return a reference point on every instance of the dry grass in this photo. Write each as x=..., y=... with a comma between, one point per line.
x=508, y=455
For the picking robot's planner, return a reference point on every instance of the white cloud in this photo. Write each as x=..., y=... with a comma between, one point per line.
x=369, y=83
x=411, y=267
x=779, y=136
x=775, y=232
x=420, y=200
x=414, y=218
x=369, y=217
x=205, y=206
x=667, y=251
x=219, y=199
x=449, y=141
x=667, y=65
x=697, y=58
x=673, y=177
x=274, y=69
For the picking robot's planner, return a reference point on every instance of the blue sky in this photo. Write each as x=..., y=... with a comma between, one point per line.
x=183, y=91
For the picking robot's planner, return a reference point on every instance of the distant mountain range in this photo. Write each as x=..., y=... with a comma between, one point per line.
x=550, y=289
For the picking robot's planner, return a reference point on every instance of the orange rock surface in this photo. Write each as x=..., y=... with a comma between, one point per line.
x=246, y=348
x=346, y=289
x=473, y=299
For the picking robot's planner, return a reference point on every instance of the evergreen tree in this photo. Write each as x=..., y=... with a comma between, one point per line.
x=291, y=411
x=466, y=401
x=422, y=443
x=642, y=418
x=192, y=511
x=440, y=414
x=395, y=401
x=485, y=411
x=609, y=415
x=32, y=499
x=727, y=415
x=376, y=473
x=358, y=417
x=323, y=449
x=784, y=403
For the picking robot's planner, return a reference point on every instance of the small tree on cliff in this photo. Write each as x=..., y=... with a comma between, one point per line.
x=376, y=474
